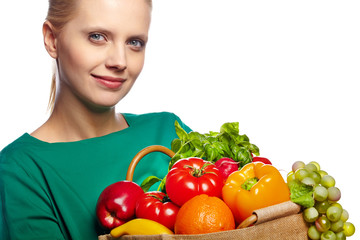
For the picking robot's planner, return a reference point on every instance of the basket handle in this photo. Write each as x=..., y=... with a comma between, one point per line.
x=141, y=154
x=271, y=213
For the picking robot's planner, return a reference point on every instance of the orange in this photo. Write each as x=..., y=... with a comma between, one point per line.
x=204, y=214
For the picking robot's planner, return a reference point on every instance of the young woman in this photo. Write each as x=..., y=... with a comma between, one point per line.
x=51, y=179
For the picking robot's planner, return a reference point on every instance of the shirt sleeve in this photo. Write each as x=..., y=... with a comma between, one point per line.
x=26, y=211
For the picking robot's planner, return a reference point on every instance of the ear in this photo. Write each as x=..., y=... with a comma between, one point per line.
x=50, y=39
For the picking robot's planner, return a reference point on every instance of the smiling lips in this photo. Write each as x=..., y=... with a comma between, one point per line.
x=109, y=82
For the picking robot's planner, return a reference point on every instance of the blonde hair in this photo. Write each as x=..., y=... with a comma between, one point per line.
x=59, y=13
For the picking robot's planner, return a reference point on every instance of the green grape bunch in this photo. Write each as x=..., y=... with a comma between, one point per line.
x=315, y=190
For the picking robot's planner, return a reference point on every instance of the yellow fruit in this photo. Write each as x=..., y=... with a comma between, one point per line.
x=140, y=226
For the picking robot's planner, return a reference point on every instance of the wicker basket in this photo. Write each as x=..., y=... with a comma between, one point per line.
x=283, y=221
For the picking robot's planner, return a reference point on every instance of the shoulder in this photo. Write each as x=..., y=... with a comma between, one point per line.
x=152, y=117
x=15, y=150
x=156, y=118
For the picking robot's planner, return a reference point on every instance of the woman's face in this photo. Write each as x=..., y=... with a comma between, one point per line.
x=100, y=52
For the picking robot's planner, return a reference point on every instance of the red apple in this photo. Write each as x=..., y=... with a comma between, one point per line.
x=116, y=203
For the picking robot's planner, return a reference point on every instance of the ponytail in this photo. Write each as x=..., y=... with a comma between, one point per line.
x=52, y=93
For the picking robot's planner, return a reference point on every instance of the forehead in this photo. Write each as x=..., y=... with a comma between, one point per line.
x=113, y=14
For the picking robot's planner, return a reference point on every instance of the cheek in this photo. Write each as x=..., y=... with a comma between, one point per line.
x=76, y=59
x=135, y=64
x=82, y=59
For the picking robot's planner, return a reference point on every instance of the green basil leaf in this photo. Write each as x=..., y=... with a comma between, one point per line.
x=182, y=134
x=213, y=134
x=254, y=149
x=251, y=147
x=239, y=139
x=211, y=139
x=235, y=149
x=148, y=182
x=225, y=138
x=196, y=135
x=210, y=152
x=176, y=144
x=197, y=144
x=185, y=147
x=187, y=154
x=231, y=128
x=222, y=148
x=161, y=187
x=198, y=153
x=243, y=156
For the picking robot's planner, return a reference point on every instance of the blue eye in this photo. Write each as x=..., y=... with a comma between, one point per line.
x=137, y=44
x=96, y=37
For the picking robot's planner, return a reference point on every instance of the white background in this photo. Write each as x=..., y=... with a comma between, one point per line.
x=287, y=71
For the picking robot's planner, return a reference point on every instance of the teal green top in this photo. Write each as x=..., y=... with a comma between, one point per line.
x=50, y=190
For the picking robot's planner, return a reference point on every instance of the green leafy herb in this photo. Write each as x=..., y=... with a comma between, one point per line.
x=210, y=146
x=301, y=193
x=148, y=182
x=213, y=145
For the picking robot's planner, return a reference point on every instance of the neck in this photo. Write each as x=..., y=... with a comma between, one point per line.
x=76, y=121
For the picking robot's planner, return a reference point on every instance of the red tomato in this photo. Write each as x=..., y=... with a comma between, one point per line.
x=157, y=206
x=190, y=177
x=261, y=159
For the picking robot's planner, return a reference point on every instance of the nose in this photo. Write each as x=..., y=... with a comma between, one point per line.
x=116, y=58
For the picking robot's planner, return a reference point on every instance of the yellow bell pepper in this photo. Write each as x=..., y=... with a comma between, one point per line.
x=254, y=186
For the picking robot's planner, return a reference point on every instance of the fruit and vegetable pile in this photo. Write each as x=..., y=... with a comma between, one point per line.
x=214, y=183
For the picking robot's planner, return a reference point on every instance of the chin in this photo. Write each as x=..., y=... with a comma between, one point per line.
x=104, y=104
x=104, y=101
